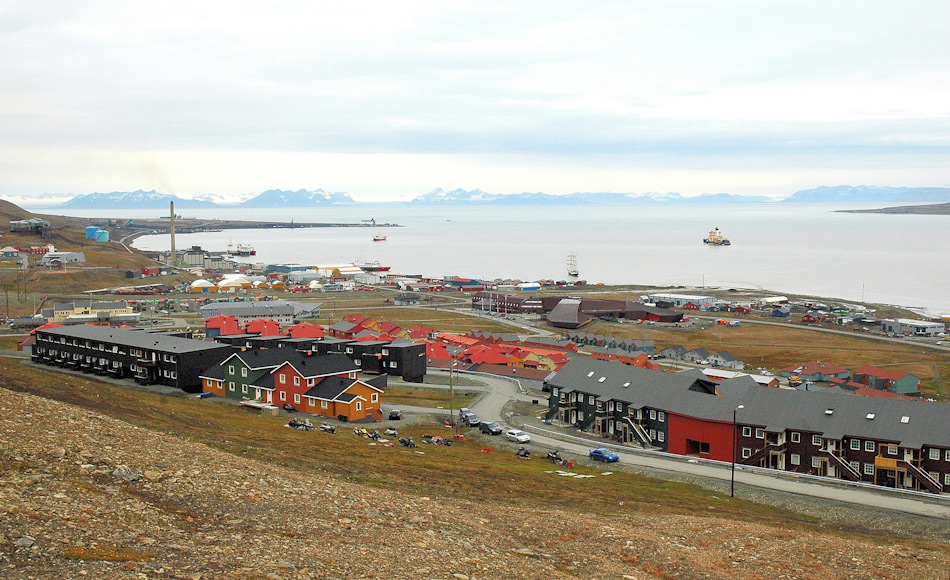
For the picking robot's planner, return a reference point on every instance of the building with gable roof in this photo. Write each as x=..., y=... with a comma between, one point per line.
x=889, y=442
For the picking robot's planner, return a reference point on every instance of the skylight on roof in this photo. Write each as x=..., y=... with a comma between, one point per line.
x=590, y=374
x=905, y=419
x=601, y=379
x=870, y=416
x=627, y=384
x=829, y=411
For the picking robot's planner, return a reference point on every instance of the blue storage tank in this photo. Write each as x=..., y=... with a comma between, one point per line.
x=102, y=236
x=91, y=232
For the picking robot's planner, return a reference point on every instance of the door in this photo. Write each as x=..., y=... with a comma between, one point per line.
x=270, y=396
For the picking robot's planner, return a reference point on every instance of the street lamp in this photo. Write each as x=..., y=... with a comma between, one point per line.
x=452, y=420
x=735, y=449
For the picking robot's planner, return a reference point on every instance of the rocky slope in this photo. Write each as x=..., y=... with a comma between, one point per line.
x=87, y=496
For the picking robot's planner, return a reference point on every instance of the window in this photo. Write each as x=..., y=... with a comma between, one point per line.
x=610, y=405
x=283, y=379
x=580, y=415
x=554, y=393
x=935, y=476
x=590, y=400
x=283, y=395
x=358, y=362
x=392, y=364
x=815, y=462
x=868, y=469
x=946, y=455
x=796, y=437
x=934, y=454
x=352, y=374
x=323, y=404
x=297, y=381
x=746, y=452
x=759, y=433
x=652, y=434
x=946, y=478
x=855, y=445
x=374, y=397
x=230, y=385
x=309, y=382
x=243, y=372
x=869, y=446
x=359, y=405
x=660, y=436
x=892, y=449
x=349, y=350
x=244, y=389
x=230, y=369
x=795, y=459
x=653, y=414
x=855, y=465
x=816, y=439
x=661, y=416
x=297, y=398
x=310, y=402
x=747, y=431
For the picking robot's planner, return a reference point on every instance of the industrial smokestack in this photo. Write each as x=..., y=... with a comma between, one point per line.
x=171, y=228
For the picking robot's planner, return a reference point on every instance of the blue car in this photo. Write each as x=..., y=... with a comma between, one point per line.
x=605, y=455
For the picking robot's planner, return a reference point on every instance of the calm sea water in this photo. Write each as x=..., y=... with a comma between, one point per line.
x=800, y=249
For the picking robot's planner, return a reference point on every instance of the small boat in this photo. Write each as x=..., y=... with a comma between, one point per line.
x=371, y=266
x=716, y=239
x=379, y=238
x=572, y=265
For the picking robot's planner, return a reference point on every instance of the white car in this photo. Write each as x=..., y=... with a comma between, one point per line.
x=517, y=436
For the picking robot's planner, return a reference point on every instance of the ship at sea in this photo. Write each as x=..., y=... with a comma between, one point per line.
x=572, y=265
x=379, y=238
x=241, y=250
x=716, y=239
x=371, y=266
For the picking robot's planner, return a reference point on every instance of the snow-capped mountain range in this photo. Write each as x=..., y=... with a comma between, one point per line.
x=318, y=197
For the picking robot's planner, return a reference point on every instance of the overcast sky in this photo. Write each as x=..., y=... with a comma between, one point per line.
x=388, y=100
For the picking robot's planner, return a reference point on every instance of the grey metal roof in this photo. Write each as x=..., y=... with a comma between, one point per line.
x=770, y=408
x=135, y=338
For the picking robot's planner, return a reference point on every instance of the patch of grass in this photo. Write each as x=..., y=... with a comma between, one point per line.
x=423, y=397
x=108, y=553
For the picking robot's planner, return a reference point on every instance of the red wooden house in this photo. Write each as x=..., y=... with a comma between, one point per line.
x=328, y=386
x=263, y=327
x=306, y=330
x=222, y=325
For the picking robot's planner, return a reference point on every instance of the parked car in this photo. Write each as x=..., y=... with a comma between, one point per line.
x=605, y=455
x=517, y=436
x=490, y=427
x=395, y=415
x=471, y=419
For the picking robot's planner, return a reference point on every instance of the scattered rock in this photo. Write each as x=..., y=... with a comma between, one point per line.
x=123, y=472
x=25, y=542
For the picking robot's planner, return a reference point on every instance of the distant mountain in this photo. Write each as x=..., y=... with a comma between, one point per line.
x=867, y=193
x=476, y=196
x=299, y=198
x=132, y=199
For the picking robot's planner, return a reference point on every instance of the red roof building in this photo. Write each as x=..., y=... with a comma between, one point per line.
x=306, y=330
x=263, y=327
